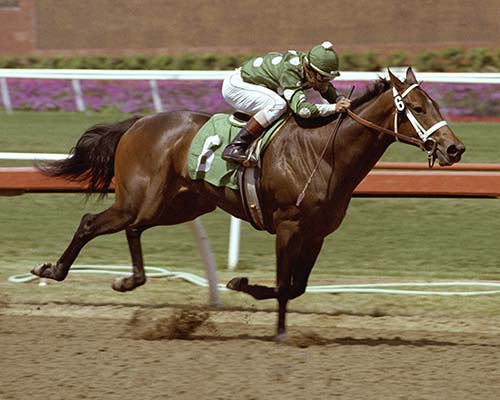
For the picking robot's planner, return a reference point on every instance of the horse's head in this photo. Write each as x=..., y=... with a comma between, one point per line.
x=417, y=114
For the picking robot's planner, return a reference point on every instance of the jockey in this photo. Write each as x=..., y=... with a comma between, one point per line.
x=265, y=87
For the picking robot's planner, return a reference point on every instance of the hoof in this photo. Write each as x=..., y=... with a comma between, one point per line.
x=47, y=270
x=121, y=285
x=282, y=337
x=125, y=284
x=238, y=284
x=43, y=270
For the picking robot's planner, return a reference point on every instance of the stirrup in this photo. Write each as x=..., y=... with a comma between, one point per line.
x=229, y=155
x=236, y=159
x=242, y=160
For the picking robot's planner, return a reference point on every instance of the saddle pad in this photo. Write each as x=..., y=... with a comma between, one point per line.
x=205, y=152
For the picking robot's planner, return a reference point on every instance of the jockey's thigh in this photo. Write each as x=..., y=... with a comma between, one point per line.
x=253, y=99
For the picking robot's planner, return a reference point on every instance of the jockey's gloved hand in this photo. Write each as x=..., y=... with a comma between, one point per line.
x=342, y=105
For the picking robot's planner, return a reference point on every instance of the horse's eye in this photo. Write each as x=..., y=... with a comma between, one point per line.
x=418, y=109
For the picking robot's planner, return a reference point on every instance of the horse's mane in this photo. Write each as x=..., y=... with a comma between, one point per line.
x=373, y=90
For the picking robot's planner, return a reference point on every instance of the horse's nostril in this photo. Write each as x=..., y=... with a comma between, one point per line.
x=455, y=152
x=452, y=150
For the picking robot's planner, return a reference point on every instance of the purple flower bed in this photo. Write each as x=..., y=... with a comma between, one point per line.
x=126, y=96
x=457, y=101
x=41, y=94
x=466, y=100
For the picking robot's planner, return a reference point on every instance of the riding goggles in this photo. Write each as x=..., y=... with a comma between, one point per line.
x=318, y=76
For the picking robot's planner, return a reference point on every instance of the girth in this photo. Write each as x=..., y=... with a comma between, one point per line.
x=249, y=182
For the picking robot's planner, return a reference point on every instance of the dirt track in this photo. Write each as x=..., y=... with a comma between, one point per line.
x=84, y=352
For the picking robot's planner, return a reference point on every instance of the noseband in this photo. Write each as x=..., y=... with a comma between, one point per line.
x=426, y=143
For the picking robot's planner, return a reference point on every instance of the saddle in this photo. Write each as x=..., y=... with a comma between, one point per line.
x=205, y=161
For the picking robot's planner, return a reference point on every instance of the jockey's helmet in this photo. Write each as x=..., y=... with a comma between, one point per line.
x=324, y=60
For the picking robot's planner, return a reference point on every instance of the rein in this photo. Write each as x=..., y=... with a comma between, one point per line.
x=398, y=136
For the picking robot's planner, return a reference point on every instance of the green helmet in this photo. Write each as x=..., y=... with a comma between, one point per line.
x=324, y=60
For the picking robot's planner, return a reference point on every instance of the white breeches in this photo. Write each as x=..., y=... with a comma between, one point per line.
x=265, y=105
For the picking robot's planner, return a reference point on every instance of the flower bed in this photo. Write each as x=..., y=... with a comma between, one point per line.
x=457, y=101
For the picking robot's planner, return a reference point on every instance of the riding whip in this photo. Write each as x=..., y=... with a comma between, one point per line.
x=332, y=136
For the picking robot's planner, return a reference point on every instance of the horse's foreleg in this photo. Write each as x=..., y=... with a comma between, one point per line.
x=288, y=252
x=303, y=267
x=91, y=225
x=288, y=247
x=138, y=276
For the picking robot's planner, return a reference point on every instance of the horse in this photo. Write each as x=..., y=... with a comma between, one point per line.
x=147, y=158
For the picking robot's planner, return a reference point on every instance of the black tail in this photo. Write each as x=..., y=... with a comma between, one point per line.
x=92, y=159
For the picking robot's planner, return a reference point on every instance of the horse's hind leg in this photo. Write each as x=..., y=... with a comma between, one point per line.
x=91, y=226
x=138, y=276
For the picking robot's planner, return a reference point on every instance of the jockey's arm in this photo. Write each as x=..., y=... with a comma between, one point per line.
x=305, y=109
x=297, y=99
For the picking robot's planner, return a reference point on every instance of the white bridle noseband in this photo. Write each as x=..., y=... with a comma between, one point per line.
x=401, y=107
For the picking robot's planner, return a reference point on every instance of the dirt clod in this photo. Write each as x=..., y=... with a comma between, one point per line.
x=179, y=325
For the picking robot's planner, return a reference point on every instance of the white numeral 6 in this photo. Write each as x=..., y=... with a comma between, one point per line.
x=400, y=105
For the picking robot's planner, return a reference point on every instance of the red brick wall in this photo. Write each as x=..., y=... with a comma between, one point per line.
x=223, y=26
x=17, y=35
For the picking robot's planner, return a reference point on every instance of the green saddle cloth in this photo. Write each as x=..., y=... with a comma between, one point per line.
x=205, y=160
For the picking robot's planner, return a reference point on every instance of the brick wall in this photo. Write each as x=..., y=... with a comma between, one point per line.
x=223, y=26
x=17, y=27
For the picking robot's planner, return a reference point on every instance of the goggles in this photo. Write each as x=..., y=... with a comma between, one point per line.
x=319, y=77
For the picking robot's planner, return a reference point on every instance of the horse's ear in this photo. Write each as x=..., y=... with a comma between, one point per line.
x=395, y=81
x=410, y=76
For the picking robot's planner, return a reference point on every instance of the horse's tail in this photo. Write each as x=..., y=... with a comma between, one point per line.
x=92, y=159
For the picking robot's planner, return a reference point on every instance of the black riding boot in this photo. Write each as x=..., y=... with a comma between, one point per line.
x=236, y=150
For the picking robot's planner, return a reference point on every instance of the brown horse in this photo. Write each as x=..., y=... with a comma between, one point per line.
x=147, y=156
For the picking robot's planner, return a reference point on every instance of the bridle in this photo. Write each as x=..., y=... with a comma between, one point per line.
x=426, y=142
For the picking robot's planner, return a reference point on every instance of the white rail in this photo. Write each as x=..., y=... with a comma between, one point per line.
x=147, y=75
x=32, y=156
x=103, y=74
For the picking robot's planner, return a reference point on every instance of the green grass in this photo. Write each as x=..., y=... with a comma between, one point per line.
x=381, y=238
x=45, y=132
